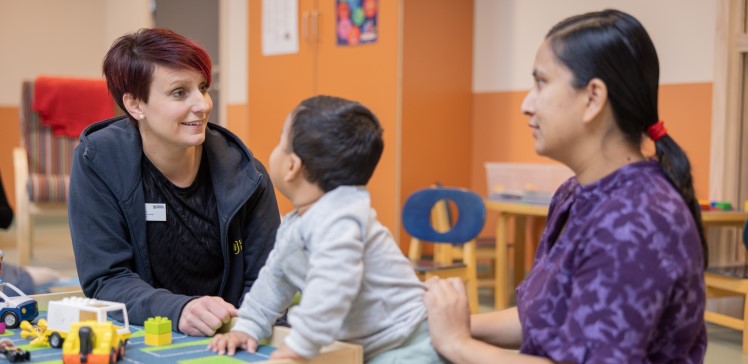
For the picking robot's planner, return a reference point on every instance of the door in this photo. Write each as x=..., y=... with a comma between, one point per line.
x=368, y=73
x=277, y=83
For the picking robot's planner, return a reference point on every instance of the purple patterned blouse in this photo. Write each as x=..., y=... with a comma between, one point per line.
x=618, y=276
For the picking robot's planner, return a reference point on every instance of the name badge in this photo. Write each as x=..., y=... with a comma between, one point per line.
x=155, y=212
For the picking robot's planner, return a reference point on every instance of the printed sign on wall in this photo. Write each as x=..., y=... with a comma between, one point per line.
x=356, y=22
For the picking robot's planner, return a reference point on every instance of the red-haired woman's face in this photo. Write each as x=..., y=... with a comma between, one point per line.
x=177, y=111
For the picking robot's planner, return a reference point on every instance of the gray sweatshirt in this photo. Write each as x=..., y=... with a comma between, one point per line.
x=357, y=285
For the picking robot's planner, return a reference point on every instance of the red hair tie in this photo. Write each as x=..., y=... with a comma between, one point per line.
x=657, y=130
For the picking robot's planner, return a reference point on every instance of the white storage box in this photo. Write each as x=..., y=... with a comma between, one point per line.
x=525, y=182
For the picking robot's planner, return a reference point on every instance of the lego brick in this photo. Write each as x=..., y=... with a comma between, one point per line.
x=157, y=325
x=158, y=339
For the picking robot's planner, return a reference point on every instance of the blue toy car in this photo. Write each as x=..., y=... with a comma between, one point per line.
x=13, y=310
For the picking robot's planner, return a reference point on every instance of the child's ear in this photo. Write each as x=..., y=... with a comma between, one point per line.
x=294, y=168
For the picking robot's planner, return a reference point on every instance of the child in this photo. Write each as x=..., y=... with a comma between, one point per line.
x=357, y=286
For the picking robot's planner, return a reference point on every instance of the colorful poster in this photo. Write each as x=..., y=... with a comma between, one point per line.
x=356, y=22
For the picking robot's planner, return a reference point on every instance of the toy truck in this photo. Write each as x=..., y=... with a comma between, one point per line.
x=61, y=315
x=13, y=310
x=94, y=342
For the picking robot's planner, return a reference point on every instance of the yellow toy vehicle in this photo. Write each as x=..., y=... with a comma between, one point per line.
x=94, y=342
x=61, y=315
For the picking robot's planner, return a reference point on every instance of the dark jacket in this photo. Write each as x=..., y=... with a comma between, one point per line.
x=108, y=226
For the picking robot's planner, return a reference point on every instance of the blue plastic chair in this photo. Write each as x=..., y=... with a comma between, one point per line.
x=426, y=217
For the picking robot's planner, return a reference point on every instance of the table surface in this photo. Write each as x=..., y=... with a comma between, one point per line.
x=514, y=208
x=183, y=349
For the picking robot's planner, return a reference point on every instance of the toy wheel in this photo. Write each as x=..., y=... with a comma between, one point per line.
x=113, y=356
x=10, y=319
x=120, y=350
x=55, y=340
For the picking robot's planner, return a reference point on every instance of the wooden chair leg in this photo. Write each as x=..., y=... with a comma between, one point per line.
x=501, y=291
x=23, y=232
x=745, y=324
x=471, y=274
x=472, y=292
x=23, y=206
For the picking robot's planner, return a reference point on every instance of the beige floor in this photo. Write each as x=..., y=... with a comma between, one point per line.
x=52, y=248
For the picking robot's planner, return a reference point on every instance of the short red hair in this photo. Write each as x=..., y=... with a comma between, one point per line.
x=129, y=63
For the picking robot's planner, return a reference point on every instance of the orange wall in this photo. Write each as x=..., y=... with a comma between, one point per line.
x=500, y=132
x=237, y=120
x=9, y=139
x=437, y=96
x=368, y=74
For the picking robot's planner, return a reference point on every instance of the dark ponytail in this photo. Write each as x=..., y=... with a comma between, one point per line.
x=614, y=47
x=677, y=168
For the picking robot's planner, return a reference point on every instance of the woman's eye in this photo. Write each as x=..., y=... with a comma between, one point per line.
x=178, y=93
x=204, y=88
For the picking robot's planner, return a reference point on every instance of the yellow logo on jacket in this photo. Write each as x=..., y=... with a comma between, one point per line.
x=238, y=246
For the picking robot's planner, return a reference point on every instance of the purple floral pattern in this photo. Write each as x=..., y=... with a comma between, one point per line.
x=618, y=276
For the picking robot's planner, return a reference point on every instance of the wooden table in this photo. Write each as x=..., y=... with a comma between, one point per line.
x=191, y=348
x=521, y=212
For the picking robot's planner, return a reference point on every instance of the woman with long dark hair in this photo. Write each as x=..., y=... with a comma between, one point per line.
x=618, y=276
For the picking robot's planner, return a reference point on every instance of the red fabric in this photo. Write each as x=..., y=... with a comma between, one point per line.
x=69, y=105
x=657, y=130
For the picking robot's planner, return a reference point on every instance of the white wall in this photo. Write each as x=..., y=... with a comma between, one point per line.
x=234, y=50
x=508, y=32
x=62, y=38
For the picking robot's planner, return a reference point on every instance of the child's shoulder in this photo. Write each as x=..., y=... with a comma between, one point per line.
x=342, y=203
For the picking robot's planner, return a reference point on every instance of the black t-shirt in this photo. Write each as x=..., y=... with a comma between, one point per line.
x=184, y=250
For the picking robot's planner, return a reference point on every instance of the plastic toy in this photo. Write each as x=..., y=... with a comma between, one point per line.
x=36, y=333
x=157, y=331
x=13, y=353
x=92, y=341
x=13, y=310
x=61, y=315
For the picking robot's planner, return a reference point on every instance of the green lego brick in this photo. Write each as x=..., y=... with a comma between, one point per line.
x=157, y=325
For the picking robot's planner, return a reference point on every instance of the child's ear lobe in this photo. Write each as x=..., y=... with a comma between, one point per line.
x=294, y=168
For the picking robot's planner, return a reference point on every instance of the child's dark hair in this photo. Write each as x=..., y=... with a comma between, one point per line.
x=338, y=141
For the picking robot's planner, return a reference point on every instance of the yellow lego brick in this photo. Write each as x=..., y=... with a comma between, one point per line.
x=158, y=339
x=157, y=325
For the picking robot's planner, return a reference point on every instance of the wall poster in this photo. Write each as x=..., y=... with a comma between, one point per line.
x=356, y=22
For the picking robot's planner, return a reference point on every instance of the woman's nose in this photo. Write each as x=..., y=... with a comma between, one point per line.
x=528, y=104
x=203, y=103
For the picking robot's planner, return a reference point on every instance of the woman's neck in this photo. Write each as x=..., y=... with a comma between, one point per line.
x=179, y=167
x=603, y=156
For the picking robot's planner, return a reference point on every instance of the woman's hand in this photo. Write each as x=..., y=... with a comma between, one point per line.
x=228, y=343
x=205, y=315
x=449, y=314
